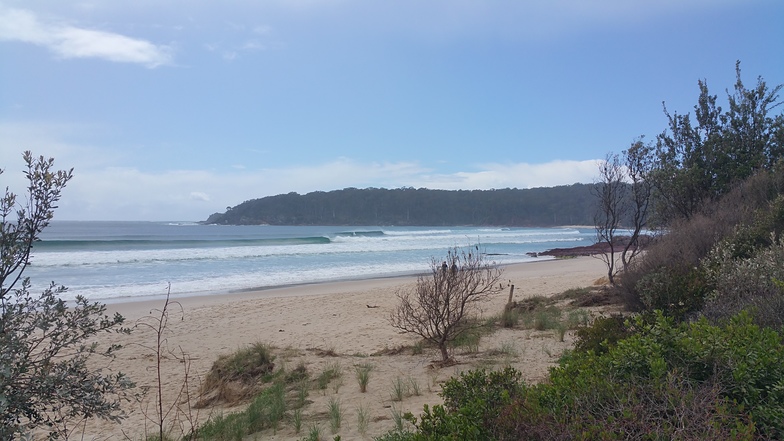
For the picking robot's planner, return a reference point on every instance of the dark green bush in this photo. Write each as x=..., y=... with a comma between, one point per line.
x=676, y=291
x=668, y=380
x=734, y=372
x=602, y=334
x=472, y=403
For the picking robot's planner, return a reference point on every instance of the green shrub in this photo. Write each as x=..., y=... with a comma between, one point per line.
x=666, y=381
x=736, y=370
x=675, y=291
x=602, y=334
x=471, y=404
x=746, y=284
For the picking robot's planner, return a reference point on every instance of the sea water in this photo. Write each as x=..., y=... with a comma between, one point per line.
x=119, y=261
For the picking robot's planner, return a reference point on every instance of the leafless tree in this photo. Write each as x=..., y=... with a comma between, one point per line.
x=611, y=193
x=624, y=194
x=638, y=168
x=439, y=306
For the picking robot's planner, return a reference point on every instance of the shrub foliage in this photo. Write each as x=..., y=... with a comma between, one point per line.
x=45, y=379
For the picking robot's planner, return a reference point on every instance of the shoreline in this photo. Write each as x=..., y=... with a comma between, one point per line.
x=138, y=307
x=260, y=289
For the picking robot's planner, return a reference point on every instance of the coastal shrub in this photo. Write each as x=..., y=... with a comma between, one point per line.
x=664, y=369
x=472, y=403
x=602, y=334
x=678, y=291
x=49, y=378
x=746, y=216
x=666, y=381
x=746, y=284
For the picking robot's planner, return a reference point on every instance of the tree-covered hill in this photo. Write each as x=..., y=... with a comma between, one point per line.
x=562, y=205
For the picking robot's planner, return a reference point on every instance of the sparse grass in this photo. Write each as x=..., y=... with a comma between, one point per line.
x=548, y=318
x=560, y=330
x=572, y=294
x=397, y=417
x=508, y=348
x=402, y=389
x=303, y=389
x=314, y=434
x=414, y=387
x=468, y=340
x=335, y=414
x=535, y=302
x=432, y=380
x=297, y=420
x=398, y=389
x=337, y=383
x=330, y=372
x=418, y=348
x=578, y=318
x=363, y=418
x=510, y=318
x=297, y=375
x=363, y=375
x=264, y=412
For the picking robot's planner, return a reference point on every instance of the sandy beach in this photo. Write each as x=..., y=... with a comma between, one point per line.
x=338, y=324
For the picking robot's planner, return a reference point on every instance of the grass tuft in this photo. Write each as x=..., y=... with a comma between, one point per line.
x=335, y=414
x=363, y=375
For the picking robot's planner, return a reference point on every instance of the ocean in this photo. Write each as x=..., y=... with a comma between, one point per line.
x=121, y=261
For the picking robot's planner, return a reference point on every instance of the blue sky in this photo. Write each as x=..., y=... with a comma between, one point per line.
x=173, y=110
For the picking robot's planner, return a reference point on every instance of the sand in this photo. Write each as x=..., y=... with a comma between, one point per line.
x=321, y=325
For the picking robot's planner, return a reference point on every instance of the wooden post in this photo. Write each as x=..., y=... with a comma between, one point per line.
x=511, y=292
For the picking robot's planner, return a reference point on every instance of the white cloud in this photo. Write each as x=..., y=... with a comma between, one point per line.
x=102, y=190
x=514, y=175
x=120, y=193
x=200, y=196
x=68, y=41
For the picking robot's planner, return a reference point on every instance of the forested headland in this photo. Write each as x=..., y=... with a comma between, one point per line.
x=541, y=207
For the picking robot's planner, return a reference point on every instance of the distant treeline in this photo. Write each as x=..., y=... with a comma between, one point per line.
x=542, y=207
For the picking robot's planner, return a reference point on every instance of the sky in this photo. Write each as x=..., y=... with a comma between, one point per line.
x=171, y=110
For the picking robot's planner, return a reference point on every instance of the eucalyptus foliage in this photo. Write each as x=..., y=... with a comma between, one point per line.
x=46, y=379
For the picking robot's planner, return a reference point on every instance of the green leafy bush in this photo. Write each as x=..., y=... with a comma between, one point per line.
x=677, y=291
x=734, y=372
x=666, y=381
x=602, y=334
x=746, y=284
x=472, y=403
